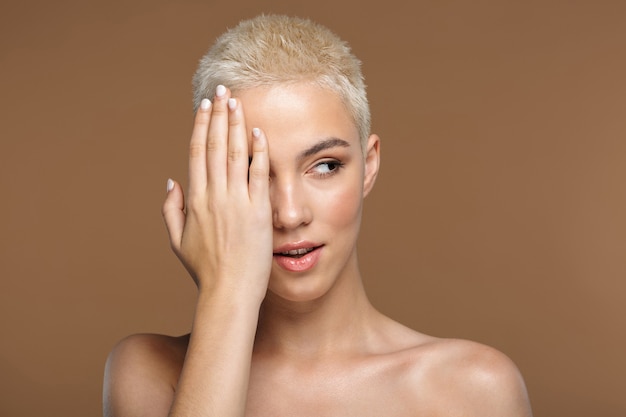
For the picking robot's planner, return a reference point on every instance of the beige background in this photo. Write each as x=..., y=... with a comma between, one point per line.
x=499, y=215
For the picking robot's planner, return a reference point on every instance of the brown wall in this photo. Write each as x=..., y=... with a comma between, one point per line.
x=499, y=214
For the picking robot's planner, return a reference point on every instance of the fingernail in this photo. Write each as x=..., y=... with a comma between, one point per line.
x=256, y=132
x=205, y=104
x=232, y=103
x=170, y=185
x=220, y=90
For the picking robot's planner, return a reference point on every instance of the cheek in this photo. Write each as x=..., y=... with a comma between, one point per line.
x=340, y=206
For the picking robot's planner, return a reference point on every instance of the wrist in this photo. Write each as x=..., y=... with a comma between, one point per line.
x=229, y=298
x=240, y=287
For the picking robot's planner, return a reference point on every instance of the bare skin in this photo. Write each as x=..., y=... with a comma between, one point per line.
x=274, y=335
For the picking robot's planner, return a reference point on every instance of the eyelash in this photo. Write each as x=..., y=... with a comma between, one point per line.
x=338, y=165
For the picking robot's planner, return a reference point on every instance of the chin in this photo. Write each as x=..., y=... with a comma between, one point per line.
x=298, y=289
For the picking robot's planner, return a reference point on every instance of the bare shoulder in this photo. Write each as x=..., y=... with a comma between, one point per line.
x=141, y=373
x=470, y=379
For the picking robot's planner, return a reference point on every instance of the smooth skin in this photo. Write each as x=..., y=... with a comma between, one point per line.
x=267, y=341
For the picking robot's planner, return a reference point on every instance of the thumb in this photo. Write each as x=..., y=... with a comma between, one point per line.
x=173, y=213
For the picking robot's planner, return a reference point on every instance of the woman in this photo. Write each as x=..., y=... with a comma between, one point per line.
x=280, y=161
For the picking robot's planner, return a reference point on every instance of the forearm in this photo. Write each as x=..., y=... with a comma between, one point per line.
x=214, y=378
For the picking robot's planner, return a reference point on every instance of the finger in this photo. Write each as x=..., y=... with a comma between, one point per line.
x=217, y=140
x=197, y=148
x=237, y=148
x=259, y=167
x=173, y=213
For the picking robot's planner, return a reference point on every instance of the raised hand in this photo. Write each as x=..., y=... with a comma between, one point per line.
x=222, y=233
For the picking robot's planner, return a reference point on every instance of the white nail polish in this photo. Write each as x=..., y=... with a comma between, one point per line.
x=220, y=90
x=256, y=132
x=205, y=104
x=232, y=103
x=170, y=185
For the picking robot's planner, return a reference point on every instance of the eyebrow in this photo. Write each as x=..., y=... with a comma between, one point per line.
x=324, y=144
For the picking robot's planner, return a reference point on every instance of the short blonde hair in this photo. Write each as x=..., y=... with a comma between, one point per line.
x=272, y=49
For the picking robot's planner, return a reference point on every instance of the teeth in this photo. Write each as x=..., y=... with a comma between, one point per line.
x=301, y=251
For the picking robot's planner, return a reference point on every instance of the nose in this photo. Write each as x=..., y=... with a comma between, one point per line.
x=290, y=207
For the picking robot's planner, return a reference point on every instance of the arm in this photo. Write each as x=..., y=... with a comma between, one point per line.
x=223, y=236
x=225, y=242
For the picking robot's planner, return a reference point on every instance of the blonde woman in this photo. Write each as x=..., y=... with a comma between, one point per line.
x=280, y=160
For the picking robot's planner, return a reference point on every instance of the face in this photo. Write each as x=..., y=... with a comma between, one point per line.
x=318, y=179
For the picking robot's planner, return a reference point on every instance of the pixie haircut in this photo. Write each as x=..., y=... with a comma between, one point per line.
x=270, y=50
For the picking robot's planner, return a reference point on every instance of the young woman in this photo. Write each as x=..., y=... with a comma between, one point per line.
x=280, y=161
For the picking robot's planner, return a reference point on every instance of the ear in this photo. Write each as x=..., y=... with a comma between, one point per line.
x=372, y=163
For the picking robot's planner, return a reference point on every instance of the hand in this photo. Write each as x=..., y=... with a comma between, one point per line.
x=223, y=233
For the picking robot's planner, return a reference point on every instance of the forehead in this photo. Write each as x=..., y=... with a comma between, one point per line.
x=298, y=115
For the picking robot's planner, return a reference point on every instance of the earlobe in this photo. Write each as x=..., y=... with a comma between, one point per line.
x=372, y=163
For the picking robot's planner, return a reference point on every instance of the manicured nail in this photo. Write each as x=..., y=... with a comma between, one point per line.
x=170, y=185
x=232, y=103
x=220, y=90
x=205, y=104
x=256, y=132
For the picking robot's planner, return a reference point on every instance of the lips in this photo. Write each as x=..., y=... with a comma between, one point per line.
x=298, y=257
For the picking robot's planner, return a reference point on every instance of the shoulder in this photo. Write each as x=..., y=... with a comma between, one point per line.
x=141, y=373
x=471, y=379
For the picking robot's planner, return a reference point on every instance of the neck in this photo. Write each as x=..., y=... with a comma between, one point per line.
x=339, y=321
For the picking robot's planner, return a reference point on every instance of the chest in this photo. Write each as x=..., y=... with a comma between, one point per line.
x=359, y=390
